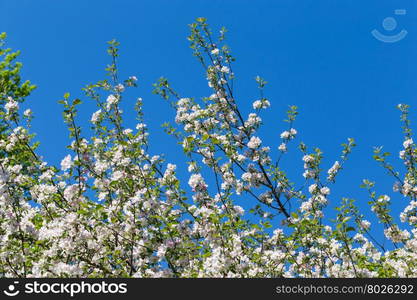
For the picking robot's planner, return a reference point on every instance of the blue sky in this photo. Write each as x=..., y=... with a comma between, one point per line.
x=317, y=54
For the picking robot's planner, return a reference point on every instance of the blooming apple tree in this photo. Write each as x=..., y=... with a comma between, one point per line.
x=113, y=209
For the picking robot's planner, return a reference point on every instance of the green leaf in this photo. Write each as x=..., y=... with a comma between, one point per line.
x=77, y=101
x=350, y=229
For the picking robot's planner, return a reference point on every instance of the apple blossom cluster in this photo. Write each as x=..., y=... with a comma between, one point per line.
x=114, y=209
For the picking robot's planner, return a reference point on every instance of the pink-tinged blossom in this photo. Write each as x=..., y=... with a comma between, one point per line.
x=197, y=183
x=254, y=142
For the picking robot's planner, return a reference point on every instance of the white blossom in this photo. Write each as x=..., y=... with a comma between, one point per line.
x=254, y=142
x=215, y=51
x=27, y=113
x=224, y=69
x=112, y=99
x=282, y=147
x=96, y=116
x=11, y=105
x=407, y=143
x=66, y=163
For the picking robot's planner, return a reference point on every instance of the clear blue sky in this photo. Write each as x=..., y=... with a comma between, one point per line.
x=317, y=54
